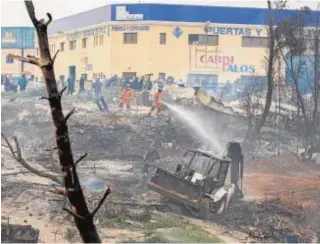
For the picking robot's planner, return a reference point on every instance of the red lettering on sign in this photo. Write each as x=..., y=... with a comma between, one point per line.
x=224, y=61
x=203, y=59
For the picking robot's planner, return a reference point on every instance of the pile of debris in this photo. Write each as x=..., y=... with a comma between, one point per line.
x=269, y=222
x=18, y=233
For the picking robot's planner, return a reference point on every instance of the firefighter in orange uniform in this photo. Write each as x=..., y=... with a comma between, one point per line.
x=126, y=96
x=158, y=97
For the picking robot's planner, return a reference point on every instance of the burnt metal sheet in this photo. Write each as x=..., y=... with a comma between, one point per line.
x=18, y=234
x=167, y=182
x=18, y=37
x=173, y=195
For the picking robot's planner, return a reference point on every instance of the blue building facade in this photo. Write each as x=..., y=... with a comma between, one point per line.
x=202, y=14
x=302, y=69
x=251, y=21
x=170, y=13
x=18, y=37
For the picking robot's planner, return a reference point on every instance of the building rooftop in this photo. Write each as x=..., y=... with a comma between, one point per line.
x=170, y=13
x=88, y=18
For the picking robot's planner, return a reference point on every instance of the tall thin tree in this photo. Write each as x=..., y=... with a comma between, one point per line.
x=83, y=218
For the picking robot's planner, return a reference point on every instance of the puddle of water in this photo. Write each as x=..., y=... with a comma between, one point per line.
x=92, y=184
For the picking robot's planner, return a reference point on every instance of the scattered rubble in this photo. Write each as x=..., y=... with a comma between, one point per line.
x=18, y=233
x=119, y=145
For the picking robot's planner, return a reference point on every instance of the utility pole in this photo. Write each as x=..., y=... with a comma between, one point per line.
x=279, y=98
x=22, y=63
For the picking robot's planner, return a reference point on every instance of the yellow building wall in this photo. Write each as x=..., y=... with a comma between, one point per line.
x=176, y=58
x=15, y=67
x=98, y=57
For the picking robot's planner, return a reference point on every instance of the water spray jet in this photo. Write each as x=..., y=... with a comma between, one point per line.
x=195, y=123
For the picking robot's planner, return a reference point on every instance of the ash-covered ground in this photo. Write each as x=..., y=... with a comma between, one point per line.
x=116, y=144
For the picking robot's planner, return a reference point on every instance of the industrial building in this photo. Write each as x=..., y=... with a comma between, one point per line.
x=17, y=41
x=201, y=44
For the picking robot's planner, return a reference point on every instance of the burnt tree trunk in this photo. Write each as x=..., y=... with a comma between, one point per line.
x=83, y=218
x=271, y=58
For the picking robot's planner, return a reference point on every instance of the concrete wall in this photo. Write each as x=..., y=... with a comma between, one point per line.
x=98, y=56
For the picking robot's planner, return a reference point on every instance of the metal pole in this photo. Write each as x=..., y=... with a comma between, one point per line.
x=22, y=63
x=279, y=78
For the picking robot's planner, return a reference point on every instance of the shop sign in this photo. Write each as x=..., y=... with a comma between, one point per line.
x=87, y=33
x=233, y=31
x=9, y=38
x=123, y=14
x=131, y=28
x=226, y=64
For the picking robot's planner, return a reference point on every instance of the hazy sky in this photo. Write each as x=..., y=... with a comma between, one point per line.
x=13, y=12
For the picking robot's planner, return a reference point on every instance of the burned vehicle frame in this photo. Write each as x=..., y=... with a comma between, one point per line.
x=198, y=183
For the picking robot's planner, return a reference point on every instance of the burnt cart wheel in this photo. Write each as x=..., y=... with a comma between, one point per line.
x=204, y=212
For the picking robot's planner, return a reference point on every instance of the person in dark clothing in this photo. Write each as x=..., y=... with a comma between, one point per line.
x=23, y=83
x=136, y=84
x=99, y=99
x=6, y=84
x=236, y=167
x=70, y=85
x=141, y=81
x=148, y=84
x=81, y=85
x=112, y=81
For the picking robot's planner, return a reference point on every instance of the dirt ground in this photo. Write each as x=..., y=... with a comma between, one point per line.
x=116, y=144
x=286, y=179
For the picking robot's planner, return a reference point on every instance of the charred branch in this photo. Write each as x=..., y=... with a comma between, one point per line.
x=81, y=158
x=28, y=59
x=76, y=197
x=61, y=191
x=107, y=192
x=69, y=114
x=75, y=215
x=17, y=156
x=55, y=55
x=62, y=91
x=48, y=22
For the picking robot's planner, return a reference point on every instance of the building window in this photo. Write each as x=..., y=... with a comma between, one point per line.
x=130, y=38
x=129, y=75
x=72, y=45
x=101, y=40
x=162, y=76
x=97, y=75
x=9, y=59
x=61, y=46
x=249, y=41
x=163, y=38
x=98, y=40
x=203, y=40
x=84, y=42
